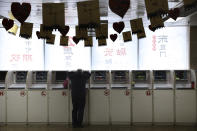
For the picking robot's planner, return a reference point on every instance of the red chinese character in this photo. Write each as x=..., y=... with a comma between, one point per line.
x=108, y=52
x=22, y=93
x=154, y=43
x=15, y=58
x=27, y=57
x=64, y=93
x=121, y=52
x=1, y=93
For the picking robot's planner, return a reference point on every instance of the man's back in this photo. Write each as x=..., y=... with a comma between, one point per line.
x=78, y=82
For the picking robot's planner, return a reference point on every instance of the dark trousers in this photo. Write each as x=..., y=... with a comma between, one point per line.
x=78, y=110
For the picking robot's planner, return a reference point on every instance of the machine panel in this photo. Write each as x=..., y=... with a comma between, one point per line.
x=99, y=79
x=2, y=76
x=2, y=79
x=119, y=76
x=183, y=79
x=40, y=76
x=21, y=77
x=141, y=79
x=99, y=76
x=60, y=76
x=160, y=76
x=139, y=76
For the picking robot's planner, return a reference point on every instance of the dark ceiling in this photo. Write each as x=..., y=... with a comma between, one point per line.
x=137, y=10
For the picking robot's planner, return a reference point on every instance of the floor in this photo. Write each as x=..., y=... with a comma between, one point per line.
x=95, y=128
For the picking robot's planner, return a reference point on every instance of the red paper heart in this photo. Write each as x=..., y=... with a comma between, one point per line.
x=7, y=23
x=151, y=28
x=119, y=7
x=76, y=40
x=20, y=12
x=174, y=13
x=38, y=34
x=118, y=26
x=113, y=37
x=64, y=30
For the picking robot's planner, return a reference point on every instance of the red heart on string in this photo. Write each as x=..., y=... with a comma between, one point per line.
x=7, y=23
x=38, y=34
x=119, y=7
x=151, y=28
x=20, y=12
x=113, y=37
x=76, y=40
x=64, y=30
x=118, y=26
x=174, y=13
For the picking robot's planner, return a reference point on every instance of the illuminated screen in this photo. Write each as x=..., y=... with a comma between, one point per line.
x=60, y=76
x=119, y=75
x=140, y=75
x=18, y=53
x=2, y=75
x=41, y=76
x=165, y=49
x=181, y=75
x=160, y=75
x=21, y=76
x=100, y=76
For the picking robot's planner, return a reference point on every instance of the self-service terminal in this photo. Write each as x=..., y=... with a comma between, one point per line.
x=120, y=97
x=163, y=79
x=142, y=96
x=16, y=96
x=163, y=93
x=37, y=96
x=59, y=97
x=2, y=79
x=185, y=97
x=3, y=96
x=99, y=97
x=38, y=80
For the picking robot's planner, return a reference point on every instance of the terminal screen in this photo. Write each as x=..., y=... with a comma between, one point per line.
x=140, y=75
x=21, y=76
x=2, y=76
x=181, y=75
x=60, y=76
x=100, y=76
x=41, y=76
x=119, y=75
x=160, y=75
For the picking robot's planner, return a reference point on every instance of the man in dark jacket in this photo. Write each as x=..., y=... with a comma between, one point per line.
x=78, y=92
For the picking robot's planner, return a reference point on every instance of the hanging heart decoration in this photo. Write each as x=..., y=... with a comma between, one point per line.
x=174, y=13
x=119, y=7
x=20, y=12
x=113, y=37
x=7, y=23
x=76, y=40
x=151, y=28
x=118, y=26
x=64, y=30
x=38, y=34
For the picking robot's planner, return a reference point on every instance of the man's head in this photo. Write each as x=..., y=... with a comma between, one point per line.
x=79, y=71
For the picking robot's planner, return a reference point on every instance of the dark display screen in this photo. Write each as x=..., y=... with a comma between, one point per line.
x=160, y=75
x=181, y=75
x=60, y=76
x=2, y=75
x=41, y=76
x=140, y=75
x=100, y=76
x=21, y=76
x=119, y=75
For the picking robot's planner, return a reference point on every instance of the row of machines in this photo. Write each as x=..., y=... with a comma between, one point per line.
x=113, y=97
